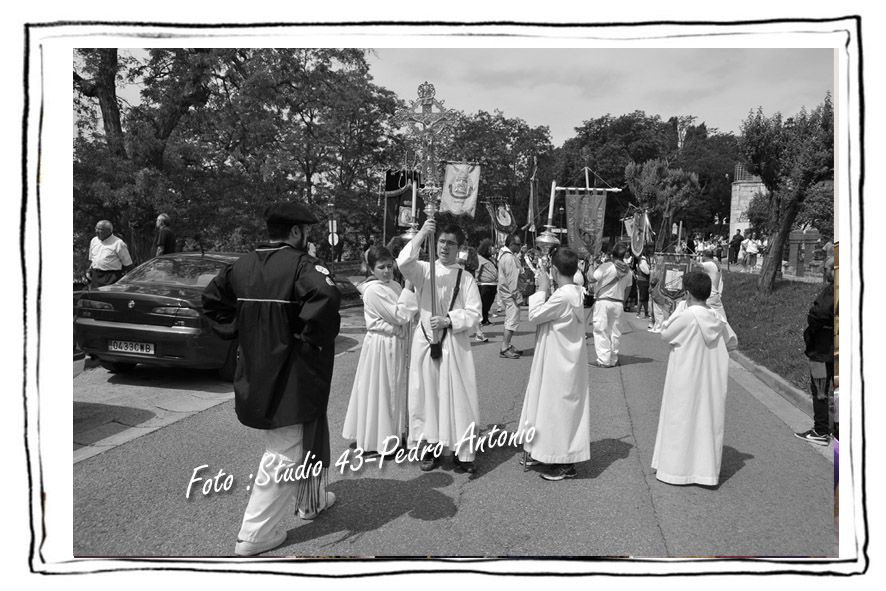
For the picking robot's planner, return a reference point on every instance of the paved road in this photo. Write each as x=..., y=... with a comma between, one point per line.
x=775, y=497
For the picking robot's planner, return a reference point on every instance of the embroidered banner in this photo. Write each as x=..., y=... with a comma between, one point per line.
x=460, y=185
x=502, y=218
x=585, y=211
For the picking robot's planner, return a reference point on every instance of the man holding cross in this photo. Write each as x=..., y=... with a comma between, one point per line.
x=443, y=403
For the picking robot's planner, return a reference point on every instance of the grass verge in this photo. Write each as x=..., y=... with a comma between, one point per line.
x=770, y=330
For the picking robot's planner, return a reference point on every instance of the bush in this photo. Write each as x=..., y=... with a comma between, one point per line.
x=770, y=330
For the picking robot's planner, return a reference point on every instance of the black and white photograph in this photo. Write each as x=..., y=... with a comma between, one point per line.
x=449, y=297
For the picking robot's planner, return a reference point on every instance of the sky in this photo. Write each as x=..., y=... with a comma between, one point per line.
x=561, y=88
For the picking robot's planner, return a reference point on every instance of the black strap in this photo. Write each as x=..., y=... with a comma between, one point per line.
x=451, y=304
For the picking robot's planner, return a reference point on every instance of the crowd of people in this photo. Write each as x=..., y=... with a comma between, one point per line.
x=415, y=384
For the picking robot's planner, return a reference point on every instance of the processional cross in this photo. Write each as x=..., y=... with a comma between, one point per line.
x=425, y=125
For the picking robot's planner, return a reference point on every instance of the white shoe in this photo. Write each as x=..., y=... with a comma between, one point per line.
x=244, y=548
x=330, y=501
x=655, y=330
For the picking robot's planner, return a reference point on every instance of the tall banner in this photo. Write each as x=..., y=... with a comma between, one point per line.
x=398, y=202
x=502, y=218
x=585, y=211
x=460, y=185
x=639, y=232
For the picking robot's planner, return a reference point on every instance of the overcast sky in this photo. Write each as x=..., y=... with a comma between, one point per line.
x=561, y=88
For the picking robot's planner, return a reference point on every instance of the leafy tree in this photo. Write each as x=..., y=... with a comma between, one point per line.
x=790, y=156
x=663, y=190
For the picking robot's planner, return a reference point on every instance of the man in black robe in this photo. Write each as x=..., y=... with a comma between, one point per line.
x=283, y=306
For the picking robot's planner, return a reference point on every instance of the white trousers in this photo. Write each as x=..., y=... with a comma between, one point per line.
x=269, y=500
x=607, y=332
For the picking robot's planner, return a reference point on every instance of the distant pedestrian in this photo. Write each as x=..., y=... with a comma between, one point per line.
x=109, y=256
x=689, y=442
x=487, y=278
x=509, y=270
x=734, y=247
x=611, y=280
x=164, y=240
x=819, y=340
x=557, y=402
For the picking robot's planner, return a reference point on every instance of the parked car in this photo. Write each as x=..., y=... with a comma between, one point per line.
x=153, y=315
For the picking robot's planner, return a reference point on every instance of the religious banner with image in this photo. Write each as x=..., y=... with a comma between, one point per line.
x=460, y=185
x=585, y=210
x=502, y=218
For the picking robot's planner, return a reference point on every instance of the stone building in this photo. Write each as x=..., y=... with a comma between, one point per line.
x=744, y=188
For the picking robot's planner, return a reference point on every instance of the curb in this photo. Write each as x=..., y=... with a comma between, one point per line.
x=792, y=394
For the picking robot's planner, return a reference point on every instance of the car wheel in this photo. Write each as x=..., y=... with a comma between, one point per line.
x=117, y=366
x=227, y=371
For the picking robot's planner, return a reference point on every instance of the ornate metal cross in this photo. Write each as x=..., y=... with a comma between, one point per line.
x=424, y=125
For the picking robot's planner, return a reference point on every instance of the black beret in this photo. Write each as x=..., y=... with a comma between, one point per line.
x=289, y=213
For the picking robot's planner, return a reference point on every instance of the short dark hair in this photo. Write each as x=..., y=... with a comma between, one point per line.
x=453, y=229
x=376, y=254
x=698, y=285
x=566, y=261
x=619, y=251
x=511, y=238
x=278, y=231
x=485, y=248
x=707, y=253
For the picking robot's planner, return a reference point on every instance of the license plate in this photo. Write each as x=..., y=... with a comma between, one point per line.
x=131, y=347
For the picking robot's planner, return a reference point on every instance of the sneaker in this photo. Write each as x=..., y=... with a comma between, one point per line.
x=559, y=472
x=650, y=327
x=528, y=461
x=515, y=350
x=480, y=338
x=655, y=330
x=244, y=548
x=813, y=437
x=485, y=323
x=508, y=354
x=330, y=501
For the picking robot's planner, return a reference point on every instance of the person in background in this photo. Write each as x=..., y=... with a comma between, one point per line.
x=487, y=278
x=611, y=280
x=643, y=273
x=164, y=241
x=819, y=340
x=471, y=263
x=109, y=256
x=509, y=270
x=734, y=247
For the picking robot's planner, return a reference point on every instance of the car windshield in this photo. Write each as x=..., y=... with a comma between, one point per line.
x=193, y=272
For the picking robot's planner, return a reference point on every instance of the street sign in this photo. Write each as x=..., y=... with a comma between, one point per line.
x=333, y=239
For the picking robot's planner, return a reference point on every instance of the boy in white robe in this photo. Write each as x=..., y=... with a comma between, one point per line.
x=689, y=443
x=557, y=399
x=443, y=405
x=377, y=408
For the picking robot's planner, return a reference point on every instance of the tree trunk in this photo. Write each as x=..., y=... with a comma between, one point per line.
x=107, y=99
x=772, y=261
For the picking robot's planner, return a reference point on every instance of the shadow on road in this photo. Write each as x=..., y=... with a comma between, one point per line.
x=604, y=453
x=624, y=360
x=733, y=461
x=366, y=504
x=112, y=419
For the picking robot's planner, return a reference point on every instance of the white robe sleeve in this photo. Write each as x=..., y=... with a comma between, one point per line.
x=731, y=338
x=541, y=311
x=673, y=328
x=384, y=302
x=410, y=266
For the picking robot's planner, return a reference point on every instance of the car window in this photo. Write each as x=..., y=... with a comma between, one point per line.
x=192, y=272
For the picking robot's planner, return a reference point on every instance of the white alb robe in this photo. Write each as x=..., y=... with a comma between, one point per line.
x=443, y=403
x=689, y=443
x=557, y=401
x=377, y=408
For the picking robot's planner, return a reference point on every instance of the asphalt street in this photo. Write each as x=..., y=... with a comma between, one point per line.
x=775, y=496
